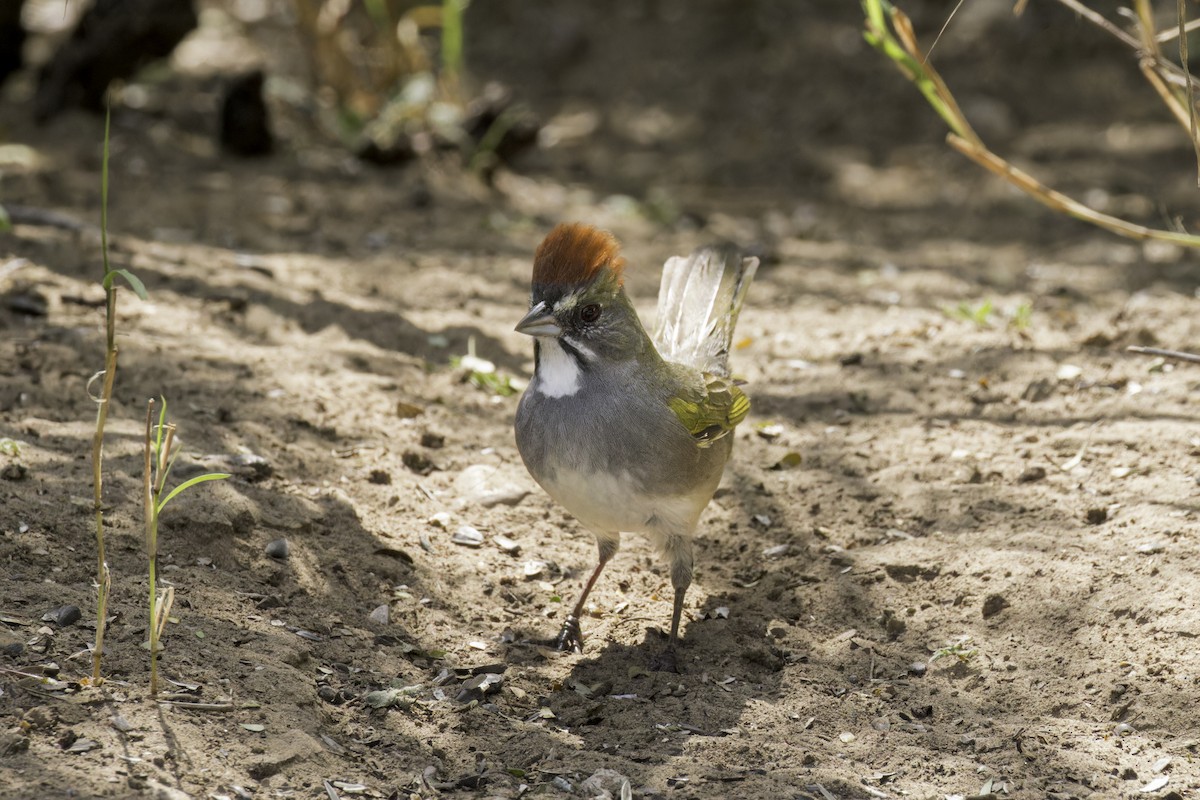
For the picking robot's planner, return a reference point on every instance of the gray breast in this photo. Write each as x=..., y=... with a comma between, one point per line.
x=613, y=425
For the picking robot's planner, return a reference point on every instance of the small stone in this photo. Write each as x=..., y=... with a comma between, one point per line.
x=441, y=519
x=12, y=742
x=1068, y=372
x=247, y=466
x=534, y=568
x=1156, y=784
x=993, y=604
x=408, y=410
x=1096, y=516
x=467, y=536
x=417, y=462
x=1032, y=475
x=1038, y=391
x=479, y=687
x=777, y=551
x=63, y=616
x=381, y=615
x=487, y=485
x=14, y=471
x=894, y=625
x=278, y=549
x=507, y=545
x=917, y=669
x=11, y=644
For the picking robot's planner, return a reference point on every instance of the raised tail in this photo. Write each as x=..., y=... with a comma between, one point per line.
x=698, y=305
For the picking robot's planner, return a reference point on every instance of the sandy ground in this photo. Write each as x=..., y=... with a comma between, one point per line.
x=950, y=557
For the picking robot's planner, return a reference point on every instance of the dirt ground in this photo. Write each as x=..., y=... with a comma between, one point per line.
x=949, y=558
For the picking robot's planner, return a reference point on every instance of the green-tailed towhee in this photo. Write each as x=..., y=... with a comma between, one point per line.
x=630, y=432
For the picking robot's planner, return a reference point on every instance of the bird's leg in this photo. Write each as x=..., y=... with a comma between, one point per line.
x=679, y=548
x=571, y=636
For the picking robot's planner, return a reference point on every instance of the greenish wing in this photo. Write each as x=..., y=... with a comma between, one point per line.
x=713, y=413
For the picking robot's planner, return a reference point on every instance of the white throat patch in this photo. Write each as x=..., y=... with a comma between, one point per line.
x=557, y=373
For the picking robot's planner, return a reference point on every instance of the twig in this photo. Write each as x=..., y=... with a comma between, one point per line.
x=193, y=706
x=1059, y=201
x=890, y=31
x=1096, y=18
x=1191, y=87
x=1178, y=355
x=1170, y=33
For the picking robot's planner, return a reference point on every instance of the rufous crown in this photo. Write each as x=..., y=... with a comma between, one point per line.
x=575, y=253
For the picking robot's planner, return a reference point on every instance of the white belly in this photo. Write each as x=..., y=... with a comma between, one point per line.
x=608, y=503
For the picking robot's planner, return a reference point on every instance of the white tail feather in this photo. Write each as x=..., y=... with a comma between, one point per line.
x=698, y=305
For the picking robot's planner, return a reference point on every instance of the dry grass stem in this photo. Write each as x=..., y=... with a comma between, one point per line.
x=890, y=31
x=1178, y=355
x=1191, y=86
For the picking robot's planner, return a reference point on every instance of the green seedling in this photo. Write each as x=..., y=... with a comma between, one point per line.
x=959, y=649
x=1021, y=317
x=160, y=455
x=980, y=314
x=106, y=376
x=482, y=374
x=10, y=447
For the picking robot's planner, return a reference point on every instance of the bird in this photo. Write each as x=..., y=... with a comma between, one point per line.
x=631, y=432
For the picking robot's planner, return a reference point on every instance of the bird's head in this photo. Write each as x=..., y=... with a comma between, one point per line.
x=577, y=295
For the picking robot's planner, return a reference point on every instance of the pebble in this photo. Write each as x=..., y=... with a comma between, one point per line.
x=417, y=462
x=278, y=549
x=507, y=545
x=467, y=536
x=488, y=485
x=248, y=466
x=381, y=615
x=993, y=604
x=917, y=669
x=63, y=616
x=1032, y=475
x=479, y=687
x=14, y=472
x=10, y=643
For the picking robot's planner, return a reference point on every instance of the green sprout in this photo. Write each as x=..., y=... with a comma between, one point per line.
x=959, y=648
x=979, y=314
x=482, y=374
x=1021, y=317
x=160, y=454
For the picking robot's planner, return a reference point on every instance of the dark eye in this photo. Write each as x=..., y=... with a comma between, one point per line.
x=590, y=312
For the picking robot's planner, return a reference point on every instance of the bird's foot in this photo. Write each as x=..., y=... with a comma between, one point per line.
x=570, y=638
x=665, y=661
